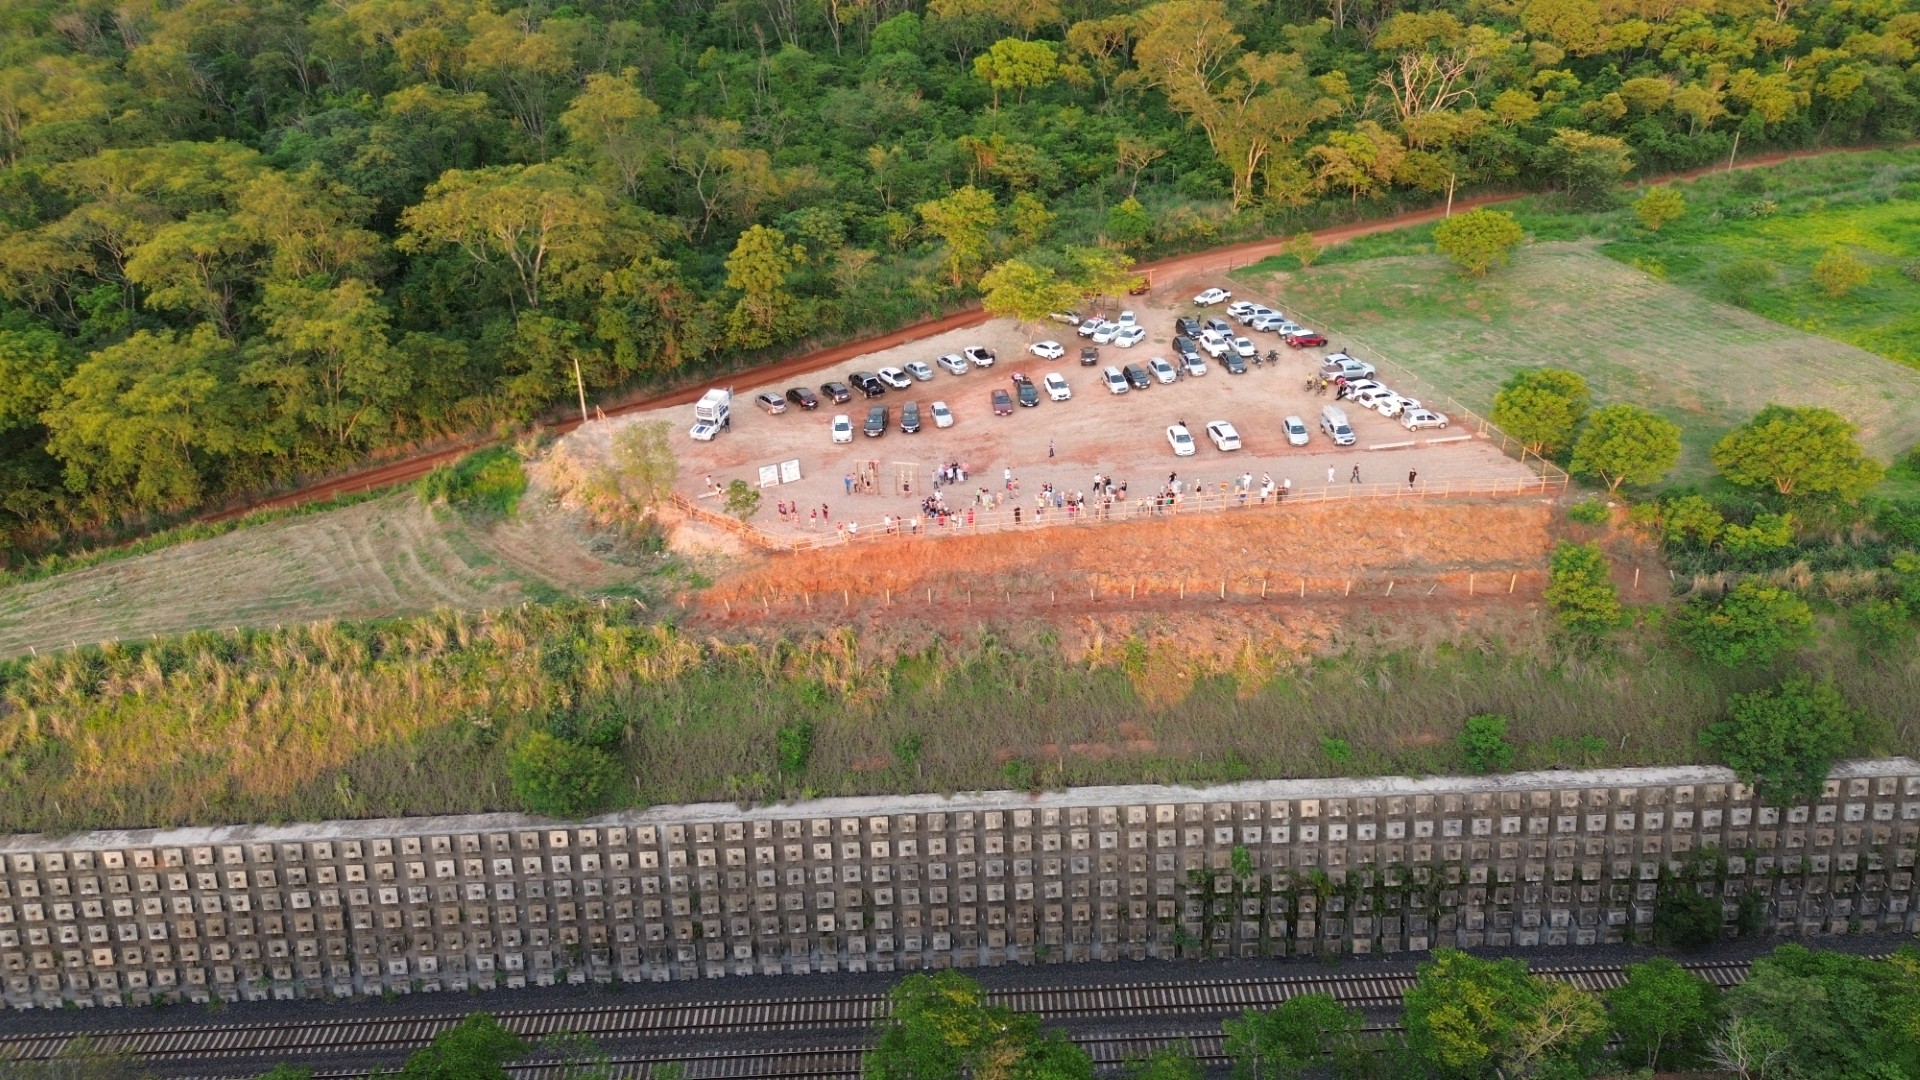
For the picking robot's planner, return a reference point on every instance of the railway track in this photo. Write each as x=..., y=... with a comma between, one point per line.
x=824, y=1015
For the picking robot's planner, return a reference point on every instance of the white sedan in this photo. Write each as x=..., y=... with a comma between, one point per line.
x=1057, y=388
x=894, y=377
x=1240, y=309
x=953, y=363
x=1047, y=350
x=1105, y=332
x=942, y=416
x=1415, y=419
x=842, y=428
x=1296, y=431
x=1128, y=337
x=1244, y=349
x=1213, y=296
x=1181, y=439
x=1223, y=435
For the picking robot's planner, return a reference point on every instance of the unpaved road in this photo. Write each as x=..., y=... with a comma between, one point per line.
x=1221, y=258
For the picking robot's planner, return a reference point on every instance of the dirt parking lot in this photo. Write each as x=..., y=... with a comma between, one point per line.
x=1063, y=443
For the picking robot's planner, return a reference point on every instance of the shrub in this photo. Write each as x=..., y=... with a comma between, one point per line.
x=1684, y=919
x=795, y=747
x=1692, y=519
x=1580, y=590
x=1910, y=269
x=1659, y=206
x=559, y=778
x=1740, y=277
x=1784, y=741
x=1479, y=240
x=1752, y=624
x=743, y=499
x=1879, y=625
x=1589, y=512
x=1484, y=743
x=1840, y=272
x=1752, y=544
x=487, y=482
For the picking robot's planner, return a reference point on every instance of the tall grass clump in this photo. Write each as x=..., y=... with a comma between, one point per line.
x=487, y=483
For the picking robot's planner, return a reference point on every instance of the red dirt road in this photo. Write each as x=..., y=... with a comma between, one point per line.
x=1215, y=259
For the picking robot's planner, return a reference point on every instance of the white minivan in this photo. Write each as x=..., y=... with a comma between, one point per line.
x=1333, y=421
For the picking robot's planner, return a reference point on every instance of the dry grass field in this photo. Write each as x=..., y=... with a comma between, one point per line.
x=387, y=557
x=1705, y=365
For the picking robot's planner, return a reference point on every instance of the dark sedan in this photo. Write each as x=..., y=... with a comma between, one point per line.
x=1137, y=377
x=1028, y=393
x=803, y=397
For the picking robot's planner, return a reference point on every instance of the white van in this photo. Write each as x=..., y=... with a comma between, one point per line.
x=1333, y=421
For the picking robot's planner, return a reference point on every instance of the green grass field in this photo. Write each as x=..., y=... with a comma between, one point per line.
x=1703, y=364
x=386, y=557
x=1645, y=316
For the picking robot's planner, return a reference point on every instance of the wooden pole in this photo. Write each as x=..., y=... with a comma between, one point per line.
x=580, y=385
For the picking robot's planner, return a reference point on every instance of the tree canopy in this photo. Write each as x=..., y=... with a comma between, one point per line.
x=1541, y=407
x=1801, y=450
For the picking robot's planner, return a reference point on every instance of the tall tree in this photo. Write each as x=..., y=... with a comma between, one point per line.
x=1541, y=407
x=328, y=361
x=759, y=267
x=1472, y=1017
x=533, y=224
x=965, y=221
x=1797, y=451
x=617, y=127
x=1625, y=442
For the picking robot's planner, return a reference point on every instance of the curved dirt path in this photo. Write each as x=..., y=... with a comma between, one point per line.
x=1213, y=259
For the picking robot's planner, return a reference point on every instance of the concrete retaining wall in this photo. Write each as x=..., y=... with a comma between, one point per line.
x=1270, y=868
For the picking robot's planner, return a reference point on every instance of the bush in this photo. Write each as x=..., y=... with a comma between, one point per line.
x=1580, y=590
x=743, y=499
x=1589, y=512
x=1840, y=272
x=1879, y=625
x=487, y=482
x=1740, y=277
x=1484, y=742
x=1784, y=741
x=795, y=744
x=1659, y=206
x=561, y=779
x=1478, y=240
x=1750, y=625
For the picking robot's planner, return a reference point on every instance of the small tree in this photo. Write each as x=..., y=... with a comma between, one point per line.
x=1284, y=1042
x=1025, y=292
x=1784, y=741
x=1580, y=590
x=1173, y=1061
x=1660, y=206
x=1483, y=741
x=1839, y=272
x=1752, y=624
x=1664, y=1015
x=1625, y=442
x=743, y=499
x=563, y=779
x=1128, y=222
x=1303, y=247
x=644, y=466
x=1797, y=450
x=1541, y=407
x=1467, y=1016
x=1478, y=240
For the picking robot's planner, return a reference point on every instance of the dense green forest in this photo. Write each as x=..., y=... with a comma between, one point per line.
x=242, y=241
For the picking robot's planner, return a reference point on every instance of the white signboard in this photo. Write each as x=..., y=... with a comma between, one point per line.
x=769, y=475
x=790, y=471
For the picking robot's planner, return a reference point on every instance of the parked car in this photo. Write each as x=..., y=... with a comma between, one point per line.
x=954, y=364
x=867, y=383
x=1296, y=429
x=1116, y=382
x=1137, y=376
x=1186, y=347
x=1254, y=313
x=1333, y=421
x=1024, y=389
x=837, y=392
x=1415, y=419
x=1239, y=309
x=773, y=403
x=1127, y=319
x=1221, y=327
x=1091, y=326
x=876, y=421
x=910, y=418
x=1162, y=370
x=803, y=397
x=1301, y=339
x=1213, y=296
x=1186, y=326
x=1396, y=404
x=1223, y=435
x=894, y=377
x=1371, y=398
x=1193, y=365
x=1342, y=364
x=1275, y=324
x=1180, y=439
x=942, y=416
x=1071, y=318
x=1105, y=332
x=1214, y=345
x=1089, y=356
x=1244, y=348
x=1233, y=364
x=1047, y=350
x=1128, y=337
x=919, y=370
x=978, y=355
x=705, y=430
x=843, y=428
x=1002, y=402
x=1057, y=388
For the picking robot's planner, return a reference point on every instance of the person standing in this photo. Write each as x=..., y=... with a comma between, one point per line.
x=1355, y=478
x=847, y=481
x=1412, y=475
x=1049, y=447
x=1329, y=474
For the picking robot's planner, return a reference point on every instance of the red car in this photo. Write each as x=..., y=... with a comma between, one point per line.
x=1002, y=403
x=1303, y=340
